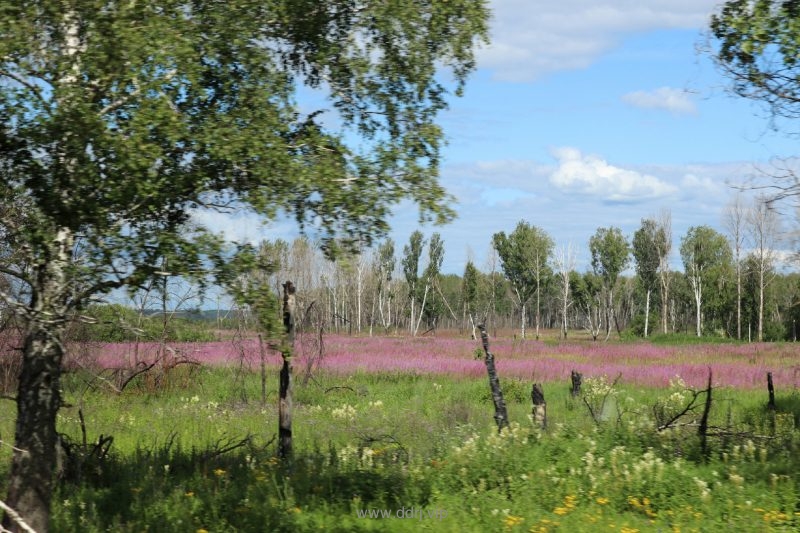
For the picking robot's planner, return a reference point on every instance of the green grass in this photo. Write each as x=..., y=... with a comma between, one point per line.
x=683, y=339
x=417, y=443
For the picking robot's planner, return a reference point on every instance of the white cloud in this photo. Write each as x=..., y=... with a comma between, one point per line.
x=531, y=39
x=244, y=226
x=667, y=98
x=696, y=185
x=524, y=175
x=591, y=175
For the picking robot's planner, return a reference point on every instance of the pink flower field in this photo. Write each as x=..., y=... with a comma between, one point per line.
x=741, y=366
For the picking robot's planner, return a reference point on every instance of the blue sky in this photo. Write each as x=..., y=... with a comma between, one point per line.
x=587, y=114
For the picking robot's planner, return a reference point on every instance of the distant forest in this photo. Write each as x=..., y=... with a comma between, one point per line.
x=730, y=286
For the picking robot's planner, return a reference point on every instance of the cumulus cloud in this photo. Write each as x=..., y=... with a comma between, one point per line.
x=694, y=185
x=666, y=98
x=531, y=39
x=244, y=226
x=591, y=175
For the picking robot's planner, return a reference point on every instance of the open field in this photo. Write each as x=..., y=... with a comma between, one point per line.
x=403, y=427
x=743, y=366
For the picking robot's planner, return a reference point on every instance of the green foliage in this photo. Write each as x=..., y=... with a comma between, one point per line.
x=636, y=326
x=610, y=254
x=680, y=339
x=117, y=323
x=434, y=305
x=524, y=255
x=647, y=243
x=410, y=262
x=186, y=92
x=584, y=288
x=757, y=44
x=385, y=262
x=707, y=261
x=469, y=288
x=515, y=390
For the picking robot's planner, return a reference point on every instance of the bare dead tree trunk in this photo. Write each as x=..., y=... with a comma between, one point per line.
x=702, y=430
x=771, y=392
x=609, y=312
x=665, y=227
x=285, y=392
x=576, y=378
x=263, y=369
x=500, y=412
x=539, y=405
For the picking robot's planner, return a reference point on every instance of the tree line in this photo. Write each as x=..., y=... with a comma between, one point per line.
x=731, y=284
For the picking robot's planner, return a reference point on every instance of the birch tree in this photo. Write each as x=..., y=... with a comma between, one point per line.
x=429, y=307
x=524, y=256
x=734, y=221
x=664, y=247
x=610, y=255
x=121, y=119
x=763, y=230
x=383, y=268
x=646, y=255
x=469, y=291
x=564, y=262
x=411, y=257
x=705, y=253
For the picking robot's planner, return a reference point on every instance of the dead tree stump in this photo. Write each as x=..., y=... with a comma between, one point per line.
x=702, y=429
x=771, y=391
x=576, y=378
x=539, y=405
x=500, y=412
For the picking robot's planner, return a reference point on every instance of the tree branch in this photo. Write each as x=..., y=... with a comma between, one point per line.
x=25, y=83
x=16, y=518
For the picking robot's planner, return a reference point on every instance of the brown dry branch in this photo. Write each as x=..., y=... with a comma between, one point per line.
x=689, y=408
x=16, y=518
x=226, y=445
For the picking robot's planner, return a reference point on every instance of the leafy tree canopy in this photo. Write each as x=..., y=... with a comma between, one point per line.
x=647, y=242
x=704, y=252
x=524, y=254
x=118, y=118
x=610, y=254
x=758, y=47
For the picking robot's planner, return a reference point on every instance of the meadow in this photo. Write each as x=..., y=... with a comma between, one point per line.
x=396, y=434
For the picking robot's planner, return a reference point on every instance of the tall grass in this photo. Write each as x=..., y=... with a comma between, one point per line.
x=201, y=457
